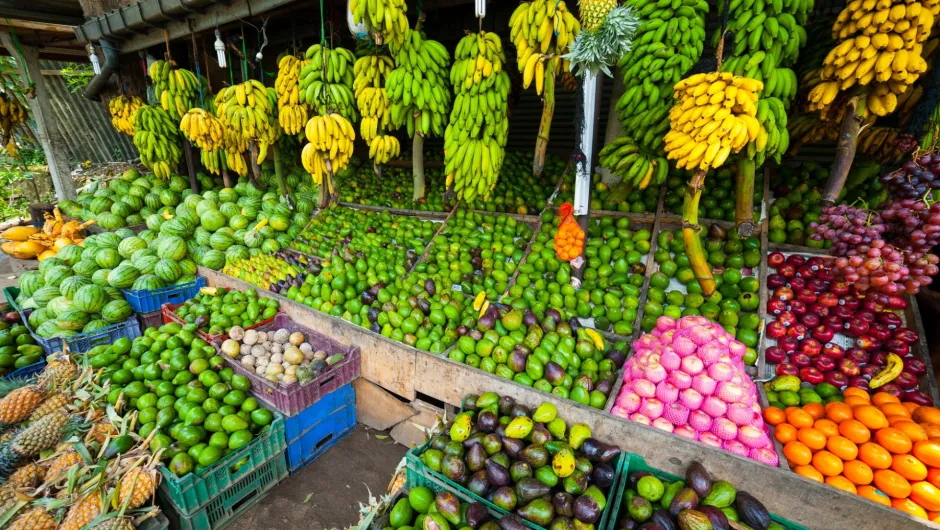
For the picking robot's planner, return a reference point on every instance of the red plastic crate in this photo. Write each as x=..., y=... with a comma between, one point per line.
x=169, y=315
x=291, y=399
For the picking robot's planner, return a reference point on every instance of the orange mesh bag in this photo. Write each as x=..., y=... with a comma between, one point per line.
x=569, y=241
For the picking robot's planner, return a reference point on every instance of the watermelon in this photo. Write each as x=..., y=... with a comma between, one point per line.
x=169, y=198
x=279, y=222
x=100, y=277
x=71, y=285
x=142, y=253
x=148, y=282
x=100, y=204
x=116, y=311
x=113, y=294
x=213, y=259
x=130, y=245
x=37, y=317
x=85, y=267
x=238, y=222
x=134, y=201
x=89, y=298
x=186, y=278
x=202, y=236
x=59, y=305
x=89, y=251
x=56, y=275
x=154, y=221
x=49, y=263
x=230, y=209
x=236, y=253
x=48, y=329
x=109, y=240
x=122, y=209
x=110, y=221
x=145, y=264
x=228, y=195
x=212, y=219
x=168, y=270
x=192, y=200
x=266, y=232
x=95, y=325
x=152, y=200
x=202, y=207
x=70, y=254
x=174, y=227
x=134, y=220
x=221, y=240
x=124, y=233
x=30, y=282
x=147, y=235
x=123, y=276
x=44, y=295
x=178, y=183
x=188, y=266
x=72, y=320
x=270, y=246
x=192, y=246
x=108, y=258
x=172, y=247
x=138, y=191
x=294, y=231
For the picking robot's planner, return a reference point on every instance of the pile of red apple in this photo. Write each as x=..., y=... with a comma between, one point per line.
x=813, y=314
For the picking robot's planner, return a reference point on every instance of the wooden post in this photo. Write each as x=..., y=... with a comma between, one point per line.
x=545, y=124
x=855, y=113
x=190, y=154
x=614, y=127
x=417, y=157
x=744, y=196
x=50, y=137
x=279, y=170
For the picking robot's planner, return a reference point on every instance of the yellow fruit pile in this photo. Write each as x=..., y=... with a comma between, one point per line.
x=371, y=96
x=331, y=140
x=881, y=48
x=715, y=116
x=533, y=26
x=387, y=20
x=122, y=109
x=202, y=129
x=291, y=113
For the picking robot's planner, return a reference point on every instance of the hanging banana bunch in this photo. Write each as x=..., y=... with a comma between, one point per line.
x=607, y=34
x=123, y=109
x=372, y=100
x=202, y=129
x=291, y=113
x=157, y=138
x=214, y=161
x=330, y=146
x=12, y=113
x=245, y=108
x=417, y=88
x=386, y=19
x=327, y=81
x=475, y=139
x=273, y=132
x=176, y=89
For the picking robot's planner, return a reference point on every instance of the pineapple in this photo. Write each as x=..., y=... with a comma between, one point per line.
x=35, y=519
x=137, y=487
x=115, y=523
x=49, y=405
x=593, y=12
x=19, y=404
x=60, y=466
x=100, y=431
x=28, y=476
x=41, y=435
x=58, y=374
x=82, y=512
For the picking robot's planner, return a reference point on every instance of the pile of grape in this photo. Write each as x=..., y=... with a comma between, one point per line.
x=915, y=179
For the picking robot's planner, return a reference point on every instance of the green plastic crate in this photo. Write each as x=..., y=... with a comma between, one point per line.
x=191, y=492
x=635, y=463
x=419, y=474
x=159, y=522
x=231, y=503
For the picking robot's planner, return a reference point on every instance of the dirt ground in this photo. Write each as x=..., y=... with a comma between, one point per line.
x=335, y=483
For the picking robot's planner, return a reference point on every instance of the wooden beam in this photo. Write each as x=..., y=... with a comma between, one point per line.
x=41, y=26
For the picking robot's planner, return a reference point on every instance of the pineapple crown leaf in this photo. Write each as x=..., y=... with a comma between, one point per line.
x=594, y=51
x=9, y=385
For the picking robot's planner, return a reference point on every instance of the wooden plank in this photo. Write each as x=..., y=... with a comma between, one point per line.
x=762, y=276
x=914, y=320
x=377, y=408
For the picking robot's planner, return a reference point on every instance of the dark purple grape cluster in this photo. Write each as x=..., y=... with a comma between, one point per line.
x=886, y=252
x=915, y=178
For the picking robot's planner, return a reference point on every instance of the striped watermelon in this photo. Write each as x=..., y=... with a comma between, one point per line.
x=109, y=240
x=203, y=207
x=116, y=311
x=188, y=266
x=30, y=282
x=71, y=285
x=110, y=221
x=37, y=317
x=56, y=275
x=192, y=200
x=113, y=294
x=72, y=320
x=44, y=295
x=89, y=298
x=238, y=222
x=144, y=252
x=174, y=227
x=253, y=239
x=90, y=251
x=147, y=235
x=48, y=329
x=168, y=270
x=121, y=209
x=59, y=305
x=134, y=219
x=124, y=233
x=228, y=195
x=236, y=253
x=270, y=246
x=148, y=282
x=85, y=267
x=94, y=325
x=131, y=245
x=145, y=264
x=108, y=258
x=70, y=254
x=202, y=236
x=123, y=276
x=154, y=221
x=173, y=248
x=178, y=184
x=213, y=259
x=169, y=198
x=100, y=277
x=48, y=263
x=222, y=239
x=186, y=278
x=230, y=210
x=212, y=219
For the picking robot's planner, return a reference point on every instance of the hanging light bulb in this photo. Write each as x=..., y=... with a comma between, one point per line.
x=481, y=8
x=219, y=49
x=95, y=65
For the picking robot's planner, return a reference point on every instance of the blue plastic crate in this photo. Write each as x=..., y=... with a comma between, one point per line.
x=83, y=342
x=318, y=427
x=27, y=371
x=146, y=301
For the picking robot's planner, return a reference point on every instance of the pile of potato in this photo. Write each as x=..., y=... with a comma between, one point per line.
x=279, y=356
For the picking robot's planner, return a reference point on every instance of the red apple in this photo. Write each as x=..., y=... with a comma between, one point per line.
x=896, y=346
x=811, y=347
x=840, y=289
x=811, y=375
x=859, y=382
x=775, y=281
x=820, y=310
x=816, y=263
x=825, y=275
x=906, y=380
x=855, y=327
x=842, y=312
x=858, y=355
x=787, y=369
x=896, y=302
x=866, y=315
x=870, y=370
x=848, y=367
x=784, y=293
x=828, y=299
x=833, y=351
x=775, y=355
x=915, y=366
x=805, y=271
x=833, y=322
x=798, y=331
x=907, y=335
x=775, y=259
x=918, y=396
x=787, y=318
x=867, y=343
x=801, y=359
x=788, y=343
x=879, y=332
x=810, y=320
x=892, y=320
x=816, y=285
x=824, y=364
x=823, y=333
x=775, y=330
x=837, y=379
x=879, y=358
x=850, y=302
x=806, y=296
x=796, y=283
x=796, y=260
x=787, y=270
x=775, y=306
x=873, y=306
x=892, y=389
x=797, y=307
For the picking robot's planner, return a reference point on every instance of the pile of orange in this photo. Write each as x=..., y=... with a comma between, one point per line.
x=569, y=241
x=874, y=446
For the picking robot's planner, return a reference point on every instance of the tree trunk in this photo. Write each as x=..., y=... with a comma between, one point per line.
x=690, y=234
x=226, y=179
x=417, y=158
x=855, y=113
x=545, y=125
x=744, y=196
x=254, y=172
x=190, y=155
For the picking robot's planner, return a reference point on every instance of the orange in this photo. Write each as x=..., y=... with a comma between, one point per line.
x=909, y=507
x=933, y=431
x=855, y=431
x=812, y=438
x=855, y=401
x=797, y=453
x=827, y=463
x=809, y=472
x=913, y=431
x=871, y=493
x=896, y=419
x=894, y=440
x=926, y=495
x=838, y=412
x=895, y=409
x=910, y=406
x=909, y=467
x=800, y=418
x=815, y=410
x=880, y=398
x=790, y=409
x=856, y=392
x=874, y=455
x=925, y=414
x=928, y=452
x=842, y=483
x=893, y=484
x=842, y=447
x=827, y=427
x=858, y=472
x=870, y=416
x=785, y=433
x=774, y=416
x=933, y=476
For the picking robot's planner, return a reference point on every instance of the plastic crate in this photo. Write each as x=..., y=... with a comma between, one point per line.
x=10, y=293
x=635, y=463
x=291, y=399
x=129, y=329
x=228, y=505
x=150, y=320
x=27, y=371
x=159, y=522
x=169, y=315
x=145, y=301
x=318, y=428
x=418, y=474
x=191, y=492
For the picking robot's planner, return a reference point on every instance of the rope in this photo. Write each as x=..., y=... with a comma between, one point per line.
x=322, y=25
x=166, y=41
x=244, y=57
x=19, y=50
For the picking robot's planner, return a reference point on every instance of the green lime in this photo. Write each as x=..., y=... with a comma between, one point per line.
x=122, y=377
x=669, y=268
x=218, y=390
x=209, y=378
x=198, y=366
x=731, y=276
x=191, y=434
x=234, y=398
x=250, y=404
x=182, y=464
x=147, y=400
x=694, y=300
x=197, y=395
x=239, y=439
x=650, y=488
x=240, y=382
x=213, y=422
x=749, y=284
x=262, y=417
x=195, y=416
x=210, y=455
x=659, y=280
x=789, y=398
x=750, y=357
x=219, y=439
x=148, y=415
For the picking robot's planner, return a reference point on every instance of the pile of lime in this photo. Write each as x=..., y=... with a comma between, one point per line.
x=822, y=393
x=216, y=310
x=179, y=386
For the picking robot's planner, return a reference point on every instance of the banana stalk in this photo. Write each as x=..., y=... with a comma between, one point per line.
x=545, y=125
x=856, y=113
x=744, y=196
x=417, y=158
x=279, y=170
x=690, y=234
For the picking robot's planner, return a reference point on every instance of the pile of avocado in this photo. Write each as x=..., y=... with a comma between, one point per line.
x=419, y=508
x=18, y=348
x=717, y=202
x=364, y=231
x=788, y=391
x=622, y=198
x=215, y=310
x=179, y=386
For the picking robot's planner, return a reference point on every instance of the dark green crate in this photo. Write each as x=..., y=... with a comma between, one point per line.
x=232, y=503
x=635, y=463
x=159, y=522
x=419, y=474
x=191, y=492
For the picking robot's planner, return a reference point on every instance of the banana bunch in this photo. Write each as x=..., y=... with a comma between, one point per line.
x=532, y=28
x=623, y=157
x=371, y=71
x=331, y=140
x=291, y=113
x=214, y=161
x=372, y=100
x=881, y=143
x=157, y=138
x=715, y=116
x=417, y=88
x=383, y=148
x=387, y=20
x=475, y=138
x=176, y=89
x=202, y=129
x=235, y=161
x=773, y=138
x=273, y=132
x=245, y=108
x=881, y=48
x=123, y=109
x=809, y=129
x=326, y=83
x=12, y=113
